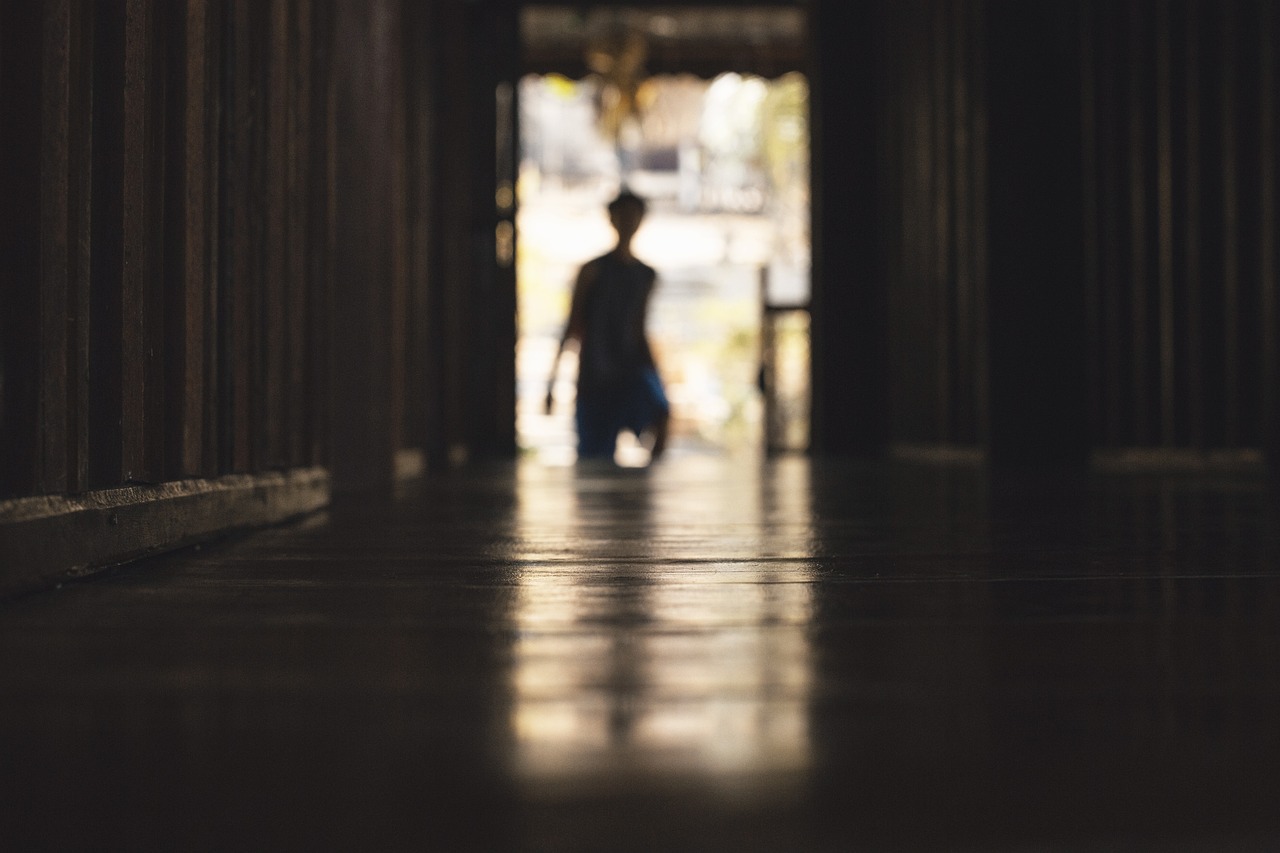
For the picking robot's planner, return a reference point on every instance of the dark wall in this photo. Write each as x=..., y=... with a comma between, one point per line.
x=1180, y=100
x=248, y=236
x=1042, y=229
x=932, y=113
x=163, y=314
x=215, y=235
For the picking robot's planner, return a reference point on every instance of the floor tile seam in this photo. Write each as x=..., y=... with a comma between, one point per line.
x=1140, y=576
x=824, y=576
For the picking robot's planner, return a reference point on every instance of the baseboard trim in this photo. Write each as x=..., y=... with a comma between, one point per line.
x=48, y=539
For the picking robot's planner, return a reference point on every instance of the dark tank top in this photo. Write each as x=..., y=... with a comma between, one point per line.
x=614, y=350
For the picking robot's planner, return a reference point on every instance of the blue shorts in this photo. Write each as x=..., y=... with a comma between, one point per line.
x=635, y=405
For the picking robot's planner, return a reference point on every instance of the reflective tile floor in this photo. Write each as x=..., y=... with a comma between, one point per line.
x=714, y=655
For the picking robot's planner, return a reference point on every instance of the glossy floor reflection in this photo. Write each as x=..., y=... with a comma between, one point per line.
x=640, y=651
x=712, y=655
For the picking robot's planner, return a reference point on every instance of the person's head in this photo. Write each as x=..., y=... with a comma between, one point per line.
x=625, y=212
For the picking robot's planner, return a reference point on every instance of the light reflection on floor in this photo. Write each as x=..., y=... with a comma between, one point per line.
x=639, y=656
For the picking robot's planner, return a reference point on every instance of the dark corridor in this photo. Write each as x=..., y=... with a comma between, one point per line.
x=1022, y=594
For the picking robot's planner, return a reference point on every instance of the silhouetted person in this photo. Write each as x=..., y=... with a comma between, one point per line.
x=618, y=383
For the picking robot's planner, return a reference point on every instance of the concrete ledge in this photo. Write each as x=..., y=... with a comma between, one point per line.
x=47, y=539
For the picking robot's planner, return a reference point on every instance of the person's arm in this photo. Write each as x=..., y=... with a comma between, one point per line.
x=642, y=332
x=574, y=328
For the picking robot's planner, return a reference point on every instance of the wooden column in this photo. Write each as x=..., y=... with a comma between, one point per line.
x=1036, y=310
x=20, y=244
x=445, y=255
x=494, y=33
x=66, y=143
x=1269, y=231
x=471, y=299
x=849, y=303
x=420, y=371
x=190, y=265
x=368, y=81
x=1192, y=256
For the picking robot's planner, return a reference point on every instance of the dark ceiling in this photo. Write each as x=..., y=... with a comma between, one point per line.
x=705, y=39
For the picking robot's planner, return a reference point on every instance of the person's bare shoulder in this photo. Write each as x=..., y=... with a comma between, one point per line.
x=590, y=270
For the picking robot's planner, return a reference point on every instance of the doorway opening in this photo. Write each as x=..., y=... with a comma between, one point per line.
x=723, y=163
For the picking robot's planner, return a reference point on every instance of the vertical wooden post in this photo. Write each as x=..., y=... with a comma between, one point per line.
x=80, y=206
x=107, y=260
x=1269, y=236
x=236, y=263
x=186, y=226
x=1164, y=220
x=321, y=219
x=366, y=67
x=55, y=221
x=966, y=280
x=940, y=219
x=155, y=168
x=300, y=170
x=981, y=229
x=211, y=69
x=273, y=77
x=1091, y=82
x=1140, y=384
x=489, y=394
x=398, y=242
x=1111, y=394
x=442, y=54
x=471, y=303
x=420, y=375
x=1192, y=259
x=1039, y=391
x=134, y=233
x=501, y=204
x=850, y=363
x=1230, y=226
x=20, y=245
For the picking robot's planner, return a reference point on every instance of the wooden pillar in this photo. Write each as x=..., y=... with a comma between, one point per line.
x=492, y=61
x=20, y=62
x=1036, y=307
x=481, y=303
x=849, y=302
x=1269, y=231
x=495, y=65
x=420, y=123
x=472, y=293
x=448, y=255
x=368, y=80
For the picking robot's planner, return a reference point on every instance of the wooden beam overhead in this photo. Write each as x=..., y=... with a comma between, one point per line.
x=703, y=39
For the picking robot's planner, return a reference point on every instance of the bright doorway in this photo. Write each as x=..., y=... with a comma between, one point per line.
x=724, y=165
